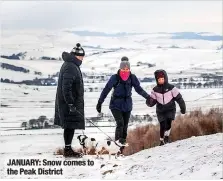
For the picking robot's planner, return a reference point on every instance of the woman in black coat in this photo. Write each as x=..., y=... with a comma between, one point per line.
x=69, y=104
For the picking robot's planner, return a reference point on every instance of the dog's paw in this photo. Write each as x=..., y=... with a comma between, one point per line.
x=126, y=145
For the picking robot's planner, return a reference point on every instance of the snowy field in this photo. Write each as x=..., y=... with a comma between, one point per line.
x=18, y=107
x=153, y=48
x=21, y=103
x=173, y=61
x=193, y=158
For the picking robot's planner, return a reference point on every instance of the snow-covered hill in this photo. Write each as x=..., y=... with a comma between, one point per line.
x=192, y=57
x=21, y=103
x=193, y=158
x=103, y=56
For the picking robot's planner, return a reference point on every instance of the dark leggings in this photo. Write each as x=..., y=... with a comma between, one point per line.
x=165, y=125
x=68, y=136
x=122, y=120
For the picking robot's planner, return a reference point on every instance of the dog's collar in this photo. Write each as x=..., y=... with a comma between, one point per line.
x=117, y=144
x=83, y=143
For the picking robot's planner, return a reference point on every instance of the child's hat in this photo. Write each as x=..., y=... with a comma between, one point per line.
x=160, y=75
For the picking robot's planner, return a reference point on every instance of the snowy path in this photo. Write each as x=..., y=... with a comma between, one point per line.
x=193, y=158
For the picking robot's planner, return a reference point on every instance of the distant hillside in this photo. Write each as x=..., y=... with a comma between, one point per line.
x=18, y=56
x=175, y=35
x=196, y=36
x=97, y=33
x=14, y=68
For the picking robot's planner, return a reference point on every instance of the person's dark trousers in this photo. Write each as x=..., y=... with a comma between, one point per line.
x=165, y=125
x=68, y=137
x=122, y=120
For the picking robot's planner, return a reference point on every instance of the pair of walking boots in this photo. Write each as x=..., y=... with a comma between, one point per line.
x=164, y=141
x=69, y=152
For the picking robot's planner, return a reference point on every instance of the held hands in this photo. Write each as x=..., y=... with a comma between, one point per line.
x=98, y=107
x=147, y=101
x=150, y=102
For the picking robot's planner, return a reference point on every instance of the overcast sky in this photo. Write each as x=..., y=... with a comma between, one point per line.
x=140, y=16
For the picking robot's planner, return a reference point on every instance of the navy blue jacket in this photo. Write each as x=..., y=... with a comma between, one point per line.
x=121, y=98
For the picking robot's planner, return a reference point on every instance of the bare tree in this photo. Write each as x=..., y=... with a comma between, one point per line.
x=199, y=85
x=46, y=124
x=32, y=123
x=41, y=120
x=24, y=125
x=215, y=83
x=191, y=80
x=193, y=85
x=206, y=85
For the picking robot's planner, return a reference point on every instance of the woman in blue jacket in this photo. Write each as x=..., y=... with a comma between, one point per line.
x=121, y=99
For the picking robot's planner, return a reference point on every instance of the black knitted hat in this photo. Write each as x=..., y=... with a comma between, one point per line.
x=78, y=50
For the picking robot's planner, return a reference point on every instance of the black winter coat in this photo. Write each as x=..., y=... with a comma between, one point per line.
x=164, y=97
x=70, y=90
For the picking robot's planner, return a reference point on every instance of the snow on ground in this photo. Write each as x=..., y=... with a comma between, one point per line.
x=48, y=67
x=17, y=76
x=193, y=158
x=45, y=66
x=172, y=60
x=18, y=107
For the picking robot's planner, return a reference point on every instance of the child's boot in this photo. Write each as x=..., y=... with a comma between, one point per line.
x=162, y=142
x=166, y=139
x=166, y=136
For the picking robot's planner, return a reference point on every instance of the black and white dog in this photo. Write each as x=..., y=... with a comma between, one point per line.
x=86, y=143
x=112, y=147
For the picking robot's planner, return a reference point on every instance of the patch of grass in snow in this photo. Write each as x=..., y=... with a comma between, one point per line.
x=196, y=123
